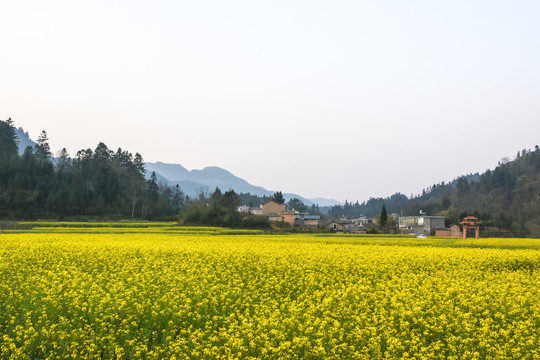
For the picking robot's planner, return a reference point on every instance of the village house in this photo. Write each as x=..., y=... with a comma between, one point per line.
x=421, y=225
x=292, y=218
x=394, y=216
x=452, y=231
x=337, y=226
x=301, y=219
x=244, y=208
x=346, y=227
x=357, y=229
x=312, y=221
x=271, y=207
x=278, y=212
x=362, y=220
x=250, y=210
x=272, y=210
x=443, y=232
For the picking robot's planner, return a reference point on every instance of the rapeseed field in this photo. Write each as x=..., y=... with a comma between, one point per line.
x=162, y=292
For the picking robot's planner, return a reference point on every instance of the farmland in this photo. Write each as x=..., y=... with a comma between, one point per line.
x=157, y=291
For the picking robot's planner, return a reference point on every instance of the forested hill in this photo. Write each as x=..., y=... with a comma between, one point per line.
x=506, y=199
x=95, y=183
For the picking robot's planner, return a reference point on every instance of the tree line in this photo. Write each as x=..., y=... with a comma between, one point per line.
x=94, y=183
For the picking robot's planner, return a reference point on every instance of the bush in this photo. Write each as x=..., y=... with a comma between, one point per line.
x=255, y=222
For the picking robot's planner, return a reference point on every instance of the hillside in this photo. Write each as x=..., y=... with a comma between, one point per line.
x=506, y=199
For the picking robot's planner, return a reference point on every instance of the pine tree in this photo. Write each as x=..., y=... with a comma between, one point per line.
x=278, y=197
x=43, y=150
x=177, y=200
x=152, y=187
x=9, y=143
x=383, y=216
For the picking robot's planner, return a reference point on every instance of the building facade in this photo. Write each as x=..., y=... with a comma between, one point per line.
x=421, y=225
x=272, y=207
x=346, y=227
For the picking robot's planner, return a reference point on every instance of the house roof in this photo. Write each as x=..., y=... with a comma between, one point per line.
x=338, y=222
x=271, y=201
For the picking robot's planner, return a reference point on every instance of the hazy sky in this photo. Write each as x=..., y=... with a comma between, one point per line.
x=337, y=99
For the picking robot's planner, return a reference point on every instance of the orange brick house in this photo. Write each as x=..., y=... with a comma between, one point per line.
x=301, y=219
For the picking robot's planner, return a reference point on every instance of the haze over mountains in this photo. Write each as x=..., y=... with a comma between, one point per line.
x=207, y=179
x=194, y=181
x=24, y=140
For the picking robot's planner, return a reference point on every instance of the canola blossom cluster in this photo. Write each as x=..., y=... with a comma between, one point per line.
x=89, y=294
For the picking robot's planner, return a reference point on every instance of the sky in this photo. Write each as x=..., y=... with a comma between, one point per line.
x=336, y=99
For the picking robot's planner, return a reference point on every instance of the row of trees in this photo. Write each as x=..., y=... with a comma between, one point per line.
x=370, y=208
x=220, y=209
x=95, y=183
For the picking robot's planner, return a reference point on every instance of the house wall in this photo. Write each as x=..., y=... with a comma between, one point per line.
x=288, y=218
x=443, y=232
x=414, y=229
x=333, y=226
x=421, y=225
x=272, y=207
x=431, y=223
x=311, y=223
x=362, y=221
x=356, y=230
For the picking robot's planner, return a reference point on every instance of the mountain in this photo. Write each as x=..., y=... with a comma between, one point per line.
x=172, y=172
x=206, y=180
x=24, y=140
x=325, y=202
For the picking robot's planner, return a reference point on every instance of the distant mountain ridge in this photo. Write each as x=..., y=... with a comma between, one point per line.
x=24, y=140
x=206, y=180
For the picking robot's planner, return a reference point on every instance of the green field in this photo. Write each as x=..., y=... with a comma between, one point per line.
x=158, y=291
